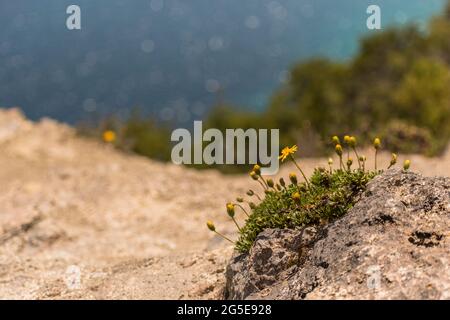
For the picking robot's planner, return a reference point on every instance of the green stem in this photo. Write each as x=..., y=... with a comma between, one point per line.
x=357, y=157
x=301, y=171
x=226, y=238
x=264, y=188
x=376, y=153
x=265, y=183
x=245, y=211
x=234, y=220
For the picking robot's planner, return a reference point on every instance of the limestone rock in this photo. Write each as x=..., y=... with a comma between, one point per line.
x=393, y=244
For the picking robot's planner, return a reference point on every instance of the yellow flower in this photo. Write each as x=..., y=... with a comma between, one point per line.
x=109, y=136
x=293, y=178
x=377, y=143
x=336, y=140
x=406, y=165
x=257, y=169
x=286, y=152
x=352, y=141
x=296, y=197
x=330, y=161
x=347, y=139
x=254, y=175
x=230, y=209
x=394, y=159
x=211, y=226
x=338, y=149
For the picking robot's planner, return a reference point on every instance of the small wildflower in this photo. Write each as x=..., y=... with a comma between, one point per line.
x=257, y=169
x=406, y=165
x=330, y=164
x=296, y=197
x=230, y=209
x=270, y=183
x=347, y=139
x=349, y=163
x=338, y=149
x=393, y=160
x=211, y=226
x=286, y=152
x=293, y=178
x=109, y=136
x=352, y=142
x=377, y=143
x=336, y=140
x=254, y=175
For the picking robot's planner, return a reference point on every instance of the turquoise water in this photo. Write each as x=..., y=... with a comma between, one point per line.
x=173, y=59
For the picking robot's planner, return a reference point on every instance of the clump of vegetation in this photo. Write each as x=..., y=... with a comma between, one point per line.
x=327, y=195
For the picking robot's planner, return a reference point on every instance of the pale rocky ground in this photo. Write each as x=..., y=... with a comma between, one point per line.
x=80, y=220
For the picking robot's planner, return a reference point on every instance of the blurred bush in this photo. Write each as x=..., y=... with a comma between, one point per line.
x=401, y=137
x=399, y=80
x=398, y=84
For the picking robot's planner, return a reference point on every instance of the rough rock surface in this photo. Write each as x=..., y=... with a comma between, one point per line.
x=393, y=244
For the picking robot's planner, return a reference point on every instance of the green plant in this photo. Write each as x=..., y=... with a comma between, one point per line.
x=327, y=195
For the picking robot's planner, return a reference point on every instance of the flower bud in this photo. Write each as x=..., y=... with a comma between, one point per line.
x=230, y=209
x=270, y=183
x=239, y=199
x=338, y=149
x=377, y=143
x=293, y=178
x=283, y=184
x=252, y=205
x=347, y=139
x=254, y=175
x=336, y=140
x=211, y=226
x=349, y=162
x=393, y=159
x=330, y=161
x=406, y=165
x=352, y=142
x=250, y=193
x=296, y=197
x=257, y=169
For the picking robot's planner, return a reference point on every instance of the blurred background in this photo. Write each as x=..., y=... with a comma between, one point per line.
x=309, y=67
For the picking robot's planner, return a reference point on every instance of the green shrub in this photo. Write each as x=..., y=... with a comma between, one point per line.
x=330, y=196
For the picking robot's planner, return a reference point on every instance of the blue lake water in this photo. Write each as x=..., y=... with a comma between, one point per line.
x=172, y=58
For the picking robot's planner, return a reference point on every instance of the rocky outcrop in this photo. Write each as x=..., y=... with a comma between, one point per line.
x=393, y=244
